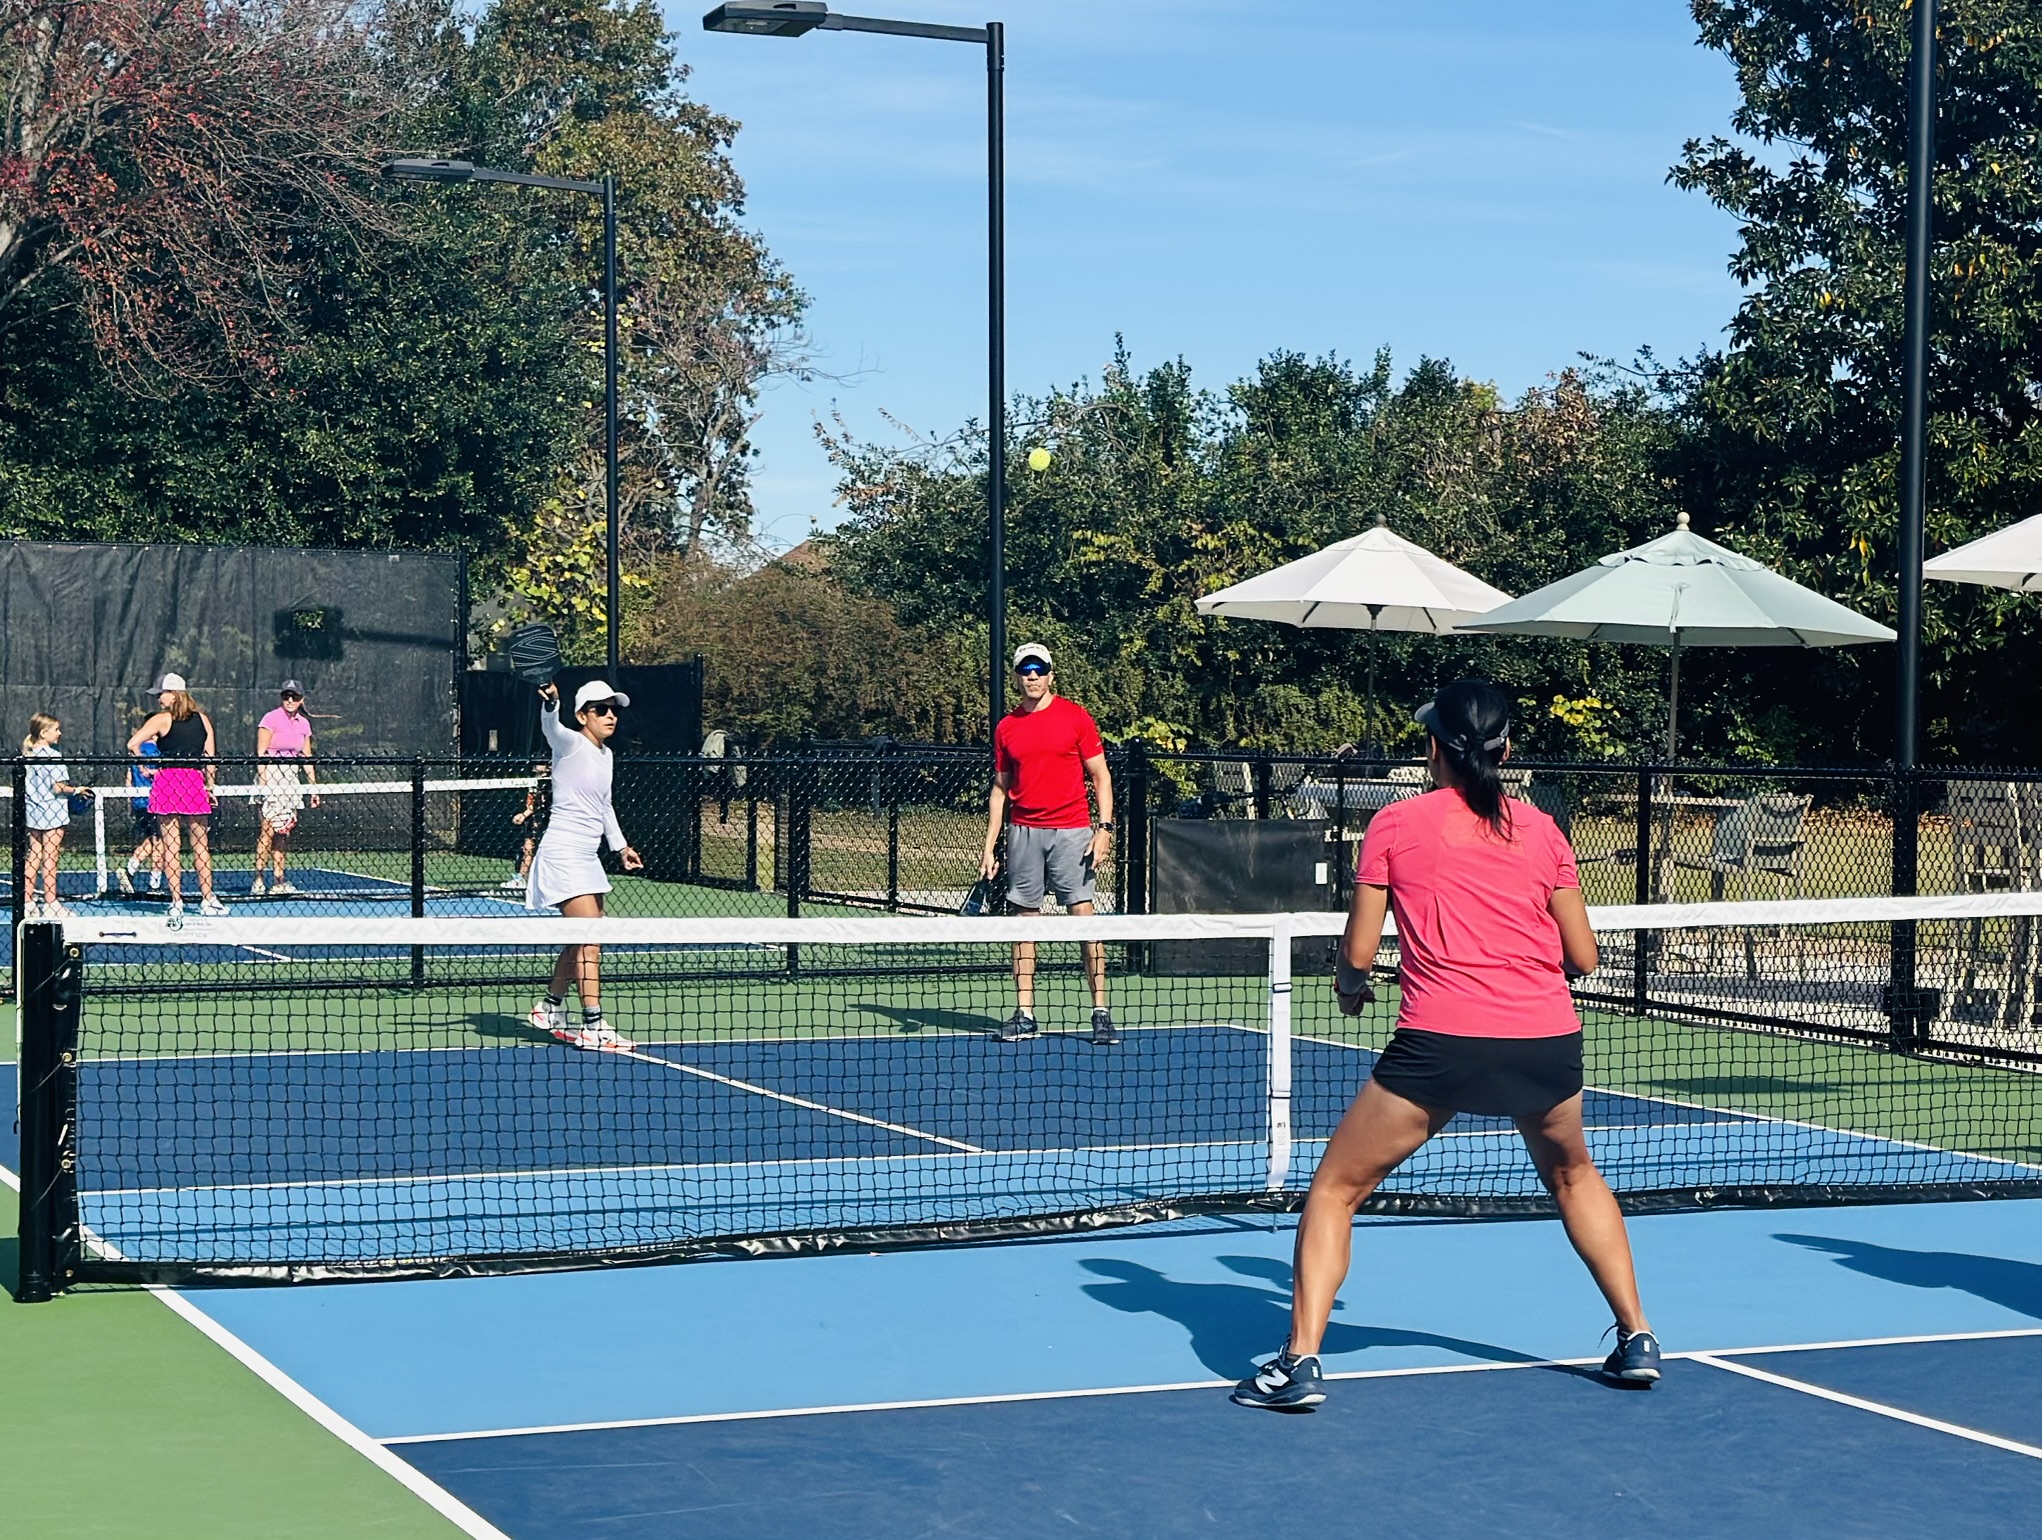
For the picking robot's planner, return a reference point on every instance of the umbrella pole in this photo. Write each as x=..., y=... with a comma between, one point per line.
x=1664, y=791
x=1673, y=706
x=1373, y=738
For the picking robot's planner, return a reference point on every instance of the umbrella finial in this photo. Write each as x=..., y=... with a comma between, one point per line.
x=1681, y=523
x=1382, y=519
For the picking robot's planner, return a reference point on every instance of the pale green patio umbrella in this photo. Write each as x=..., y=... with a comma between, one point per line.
x=1682, y=591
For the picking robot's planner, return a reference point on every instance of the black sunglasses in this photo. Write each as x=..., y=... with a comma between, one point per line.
x=292, y=695
x=1029, y=670
x=607, y=708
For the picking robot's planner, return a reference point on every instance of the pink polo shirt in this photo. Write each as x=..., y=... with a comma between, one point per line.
x=1480, y=953
x=288, y=734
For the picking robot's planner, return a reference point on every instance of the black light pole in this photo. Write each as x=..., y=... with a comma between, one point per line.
x=1914, y=387
x=792, y=18
x=422, y=169
x=1906, y=1009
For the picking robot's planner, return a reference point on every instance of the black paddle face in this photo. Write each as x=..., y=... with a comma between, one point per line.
x=534, y=653
x=982, y=899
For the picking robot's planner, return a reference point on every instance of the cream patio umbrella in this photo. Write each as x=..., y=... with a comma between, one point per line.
x=2006, y=558
x=1374, y=581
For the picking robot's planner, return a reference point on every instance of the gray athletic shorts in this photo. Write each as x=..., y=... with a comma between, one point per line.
x=1043, y=860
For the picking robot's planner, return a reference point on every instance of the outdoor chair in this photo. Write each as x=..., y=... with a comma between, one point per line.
x=1759, y=837
x=1994, y=826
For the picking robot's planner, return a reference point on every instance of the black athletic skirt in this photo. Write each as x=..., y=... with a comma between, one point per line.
x=1503, y=1077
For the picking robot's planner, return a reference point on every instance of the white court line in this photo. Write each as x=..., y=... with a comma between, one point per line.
x=800, y=1101
x=1140, y=1390
x=1880, y=1408
x=428, y=1491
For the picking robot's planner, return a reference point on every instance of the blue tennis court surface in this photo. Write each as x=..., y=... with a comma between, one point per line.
x=1076, y=1387
x=353, y=1156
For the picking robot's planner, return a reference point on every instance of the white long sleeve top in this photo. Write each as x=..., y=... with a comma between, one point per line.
x=582, y=773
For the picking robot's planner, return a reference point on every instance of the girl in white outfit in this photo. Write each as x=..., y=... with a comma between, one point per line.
x=567, y=872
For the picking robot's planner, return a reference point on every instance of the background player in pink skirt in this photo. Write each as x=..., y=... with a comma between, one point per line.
x=181, y=796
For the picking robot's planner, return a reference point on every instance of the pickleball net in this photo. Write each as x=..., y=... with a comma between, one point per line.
x=318, y=1097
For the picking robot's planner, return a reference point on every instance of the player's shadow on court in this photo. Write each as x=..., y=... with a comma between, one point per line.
x=1235, y=1325
x=506, y=1029
x=911, y=1019
x=2002, y=1281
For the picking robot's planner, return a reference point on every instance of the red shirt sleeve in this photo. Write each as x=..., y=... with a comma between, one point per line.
x=1003, y=752
x=1090, y=744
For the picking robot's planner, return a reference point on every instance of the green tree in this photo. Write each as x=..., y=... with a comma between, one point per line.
x=1791, y=431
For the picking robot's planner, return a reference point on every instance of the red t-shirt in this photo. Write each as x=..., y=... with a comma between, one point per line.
x=1044, y=753
x=1479, y=950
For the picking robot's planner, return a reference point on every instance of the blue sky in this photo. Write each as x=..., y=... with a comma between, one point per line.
x=1219, y=179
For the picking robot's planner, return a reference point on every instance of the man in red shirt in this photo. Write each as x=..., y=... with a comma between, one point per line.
x=1044, y=752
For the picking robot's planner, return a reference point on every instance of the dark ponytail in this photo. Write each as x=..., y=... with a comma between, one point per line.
x=1470, y=721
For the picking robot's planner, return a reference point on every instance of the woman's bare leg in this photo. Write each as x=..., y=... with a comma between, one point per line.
x=170, y=846
x=202, y=858
x=580, y=966
x=1588, y=1209
x=1379, y=1132
x=42, y=863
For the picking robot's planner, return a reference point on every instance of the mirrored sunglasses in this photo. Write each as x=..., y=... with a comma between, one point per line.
x=1030, y=669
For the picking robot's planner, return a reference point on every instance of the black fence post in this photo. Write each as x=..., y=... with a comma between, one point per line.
x=17, y=838
x=1343, y=869
x=1135, y=831
x=801, y=788
x=751, y=827
x=1261, y=773
x=1643, y=942
x=418, y=863
x=1906, y=1015
x=890, y=768
x=48, y=972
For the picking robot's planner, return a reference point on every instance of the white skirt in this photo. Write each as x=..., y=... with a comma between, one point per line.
x=561, y=871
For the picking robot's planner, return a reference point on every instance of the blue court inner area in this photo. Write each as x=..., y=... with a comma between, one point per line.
x=355, y=1156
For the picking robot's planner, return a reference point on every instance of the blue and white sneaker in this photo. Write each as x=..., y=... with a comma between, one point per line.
x=1284, y=1384
x=1636, y=1357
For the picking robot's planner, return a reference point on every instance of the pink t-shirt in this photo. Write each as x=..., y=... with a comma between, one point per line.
x=1480, y=953
x=288, y=734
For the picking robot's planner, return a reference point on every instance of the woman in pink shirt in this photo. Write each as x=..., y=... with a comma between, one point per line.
x=1490, y=928
x=283, y=740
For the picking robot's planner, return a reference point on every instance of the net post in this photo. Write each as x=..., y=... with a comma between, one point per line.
x=1279, y=1055
x=418, y=863
x=49, y=1222
x=1641, y=894
x=17, y=840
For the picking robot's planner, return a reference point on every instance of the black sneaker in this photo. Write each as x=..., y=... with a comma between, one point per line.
x=1016, y=1027
x=1284, y=1384
x=1103, y=1033
x=1636, y=1357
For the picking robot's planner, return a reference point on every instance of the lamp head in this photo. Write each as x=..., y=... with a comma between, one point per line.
x=782, y=18
x=412, y=168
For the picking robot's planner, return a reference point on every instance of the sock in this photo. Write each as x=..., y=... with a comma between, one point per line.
x=592, y=1015
x=558, y=1002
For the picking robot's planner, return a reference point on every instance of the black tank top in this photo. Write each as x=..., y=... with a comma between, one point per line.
x=184, y=741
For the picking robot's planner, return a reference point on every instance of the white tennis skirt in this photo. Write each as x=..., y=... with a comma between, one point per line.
x=561, y=871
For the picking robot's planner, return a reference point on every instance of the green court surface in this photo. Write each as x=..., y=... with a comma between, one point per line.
x=121, y=1420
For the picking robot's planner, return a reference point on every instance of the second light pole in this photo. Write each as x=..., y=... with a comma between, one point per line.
x=792, y=18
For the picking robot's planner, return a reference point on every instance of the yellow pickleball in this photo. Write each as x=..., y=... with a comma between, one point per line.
x=1038, y=459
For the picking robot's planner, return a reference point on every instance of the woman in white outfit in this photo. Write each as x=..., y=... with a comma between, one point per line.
x=567, y=872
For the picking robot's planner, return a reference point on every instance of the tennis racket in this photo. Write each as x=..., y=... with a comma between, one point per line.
x=534, y=653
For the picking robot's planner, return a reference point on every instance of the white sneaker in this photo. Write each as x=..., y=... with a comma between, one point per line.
x=177, y=911
x=56, y=911
x=281, y=885
x=602, y=1038
x=34, y=911
x=126, y=881
x=212, y=906
x=512, y=884
x=548, y=1017
x=255, y=887
x=155, y=882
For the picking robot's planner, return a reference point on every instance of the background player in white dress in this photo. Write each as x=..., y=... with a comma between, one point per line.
x=567, y=872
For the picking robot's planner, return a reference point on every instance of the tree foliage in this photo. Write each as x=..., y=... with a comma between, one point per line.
x=1790, y=434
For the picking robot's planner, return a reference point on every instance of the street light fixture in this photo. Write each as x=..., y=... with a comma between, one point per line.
x=793, y=18
x=413, y=168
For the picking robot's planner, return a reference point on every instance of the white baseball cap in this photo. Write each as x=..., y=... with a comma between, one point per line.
x=1029, y=650
x=595, y=690
x=170, y=682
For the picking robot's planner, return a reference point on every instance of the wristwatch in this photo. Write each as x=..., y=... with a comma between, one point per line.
x=1106, y=826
